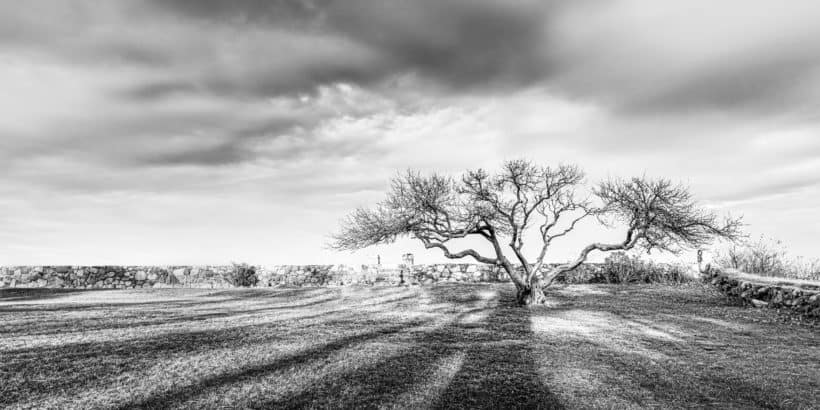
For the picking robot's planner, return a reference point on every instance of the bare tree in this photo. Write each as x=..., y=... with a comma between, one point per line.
x=501, y=208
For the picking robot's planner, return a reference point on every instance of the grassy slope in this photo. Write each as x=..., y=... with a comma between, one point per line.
x=443, y=346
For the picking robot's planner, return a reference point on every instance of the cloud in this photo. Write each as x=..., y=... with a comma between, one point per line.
x=638, y=58
x=778, y=85
x=315, y=104
x=293, y=47
x=680, y=58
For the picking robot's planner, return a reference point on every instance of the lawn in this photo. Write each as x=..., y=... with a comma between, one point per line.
x=463, y=346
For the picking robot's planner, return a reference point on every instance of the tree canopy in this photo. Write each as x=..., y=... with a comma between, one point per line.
x=437, y=209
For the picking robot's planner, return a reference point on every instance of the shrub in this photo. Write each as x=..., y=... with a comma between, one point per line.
x=621, y=268
x=767, y=257
x=243, y=275
x=581, y=274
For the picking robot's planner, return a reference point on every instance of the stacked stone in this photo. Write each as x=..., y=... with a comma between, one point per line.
x=324, y=275
x=203, y=276
x=293, y=275
x=803, y=299
x=426, y=274
x=118, y=277
x=83, y=277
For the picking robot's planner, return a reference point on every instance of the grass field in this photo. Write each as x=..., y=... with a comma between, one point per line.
x=601, y=346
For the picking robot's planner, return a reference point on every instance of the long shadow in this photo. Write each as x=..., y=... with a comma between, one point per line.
x=163, y=315
x=500, y=370
x=175, y=397
x=711, y=384
x=264, y=294
x=497, y=370
x=170, y=303
x=494, y=359
x=675, y=372
x=127, y=322
x=499, y=367
x=289, y=298
x=31, y=371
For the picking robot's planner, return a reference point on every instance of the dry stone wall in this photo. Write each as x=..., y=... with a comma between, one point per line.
x=130, y=277
x=113, y=277
x=801, y=298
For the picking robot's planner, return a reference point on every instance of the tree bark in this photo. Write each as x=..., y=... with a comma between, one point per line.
x=530, y=294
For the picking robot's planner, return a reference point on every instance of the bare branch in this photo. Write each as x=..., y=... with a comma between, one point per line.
x=500, y=208
x=667, y=215
x=631, y=240
x=458, y=255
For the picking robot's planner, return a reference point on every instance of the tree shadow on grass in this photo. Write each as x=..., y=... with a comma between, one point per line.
x=33, y=371
x=671, y=347
x=499, y=370
x=175, y=397
x=157, y=313
x=493, y=368
x=29, y=372
x=479, y=354
x=136, y=320
x=265, y=296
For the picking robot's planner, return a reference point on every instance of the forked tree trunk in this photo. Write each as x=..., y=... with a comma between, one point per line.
x=528, y=291
x=531, y=294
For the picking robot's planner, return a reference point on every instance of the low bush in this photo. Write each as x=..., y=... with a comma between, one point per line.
x=243, y=275
x=582, y=275
x=576, y=276
x=621, y=268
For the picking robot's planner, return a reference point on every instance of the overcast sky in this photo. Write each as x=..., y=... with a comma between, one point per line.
x=209, y=131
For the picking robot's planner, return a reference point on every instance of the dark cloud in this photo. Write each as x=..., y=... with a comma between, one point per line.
x=154, y=136
x=633, y=57
x=586, y=50
x=762, y=86
x=204, y=132
x=459, y=44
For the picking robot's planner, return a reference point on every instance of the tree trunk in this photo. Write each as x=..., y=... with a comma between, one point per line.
x=532, y=294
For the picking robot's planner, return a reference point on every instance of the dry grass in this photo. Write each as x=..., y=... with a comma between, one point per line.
x=594, y=346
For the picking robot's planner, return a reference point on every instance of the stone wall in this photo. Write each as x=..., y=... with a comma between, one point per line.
x=796, y=296
x=324, y=275
x=424, y=274
x=129, y=277
x=113, y=277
